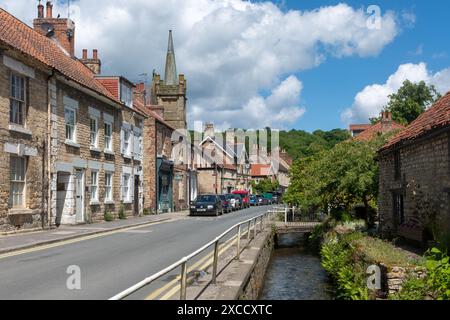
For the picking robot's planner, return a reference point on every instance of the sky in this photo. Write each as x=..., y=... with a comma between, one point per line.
x=285, y=64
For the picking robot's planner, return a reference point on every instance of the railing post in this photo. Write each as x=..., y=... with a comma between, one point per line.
x=248, y=233
x=215, y=261
x=285, y=215
x=255, y=229
x=238, y=255
x=183, y=281
x=261, y=226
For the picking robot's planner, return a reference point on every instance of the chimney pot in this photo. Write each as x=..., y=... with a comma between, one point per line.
x=40, y=11
x=49, y=10
x=95, y=54
x=84, y=54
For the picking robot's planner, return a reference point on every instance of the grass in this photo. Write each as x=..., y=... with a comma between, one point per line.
x=380, y=251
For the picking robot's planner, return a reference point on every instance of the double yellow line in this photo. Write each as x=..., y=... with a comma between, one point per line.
x=174, y=285
x=75, y=240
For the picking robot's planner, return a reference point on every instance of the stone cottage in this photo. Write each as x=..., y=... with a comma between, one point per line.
x=414, y=194
x=70, y=150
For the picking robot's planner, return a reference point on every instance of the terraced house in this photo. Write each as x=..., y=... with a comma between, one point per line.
x=70, y=139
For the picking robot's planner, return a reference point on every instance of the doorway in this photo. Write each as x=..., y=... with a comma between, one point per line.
x=79, y=196
x=136, y=195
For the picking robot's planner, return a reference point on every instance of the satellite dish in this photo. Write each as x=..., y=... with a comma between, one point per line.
x=48, y=28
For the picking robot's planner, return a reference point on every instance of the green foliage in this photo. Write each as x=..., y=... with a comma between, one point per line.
x=412, y=289
x=265, y=186
x=340, y=178
x=108, y=216
x=411, y=100
x=122, y=214
x=147, y=212
x=438, y=274
x=346, y=272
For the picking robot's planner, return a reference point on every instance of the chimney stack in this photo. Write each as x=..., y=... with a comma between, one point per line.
x=40, y=11
x=93, y=63
x=49, y=10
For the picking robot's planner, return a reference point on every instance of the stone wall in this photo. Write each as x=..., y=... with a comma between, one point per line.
x=424, y=181
x=29, y=141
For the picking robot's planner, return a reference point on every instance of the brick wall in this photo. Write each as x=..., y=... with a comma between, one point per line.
x=425, y=174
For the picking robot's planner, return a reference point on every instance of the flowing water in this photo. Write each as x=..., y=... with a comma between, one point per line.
x=295, y=274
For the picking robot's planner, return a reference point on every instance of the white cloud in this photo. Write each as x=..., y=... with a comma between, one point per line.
x=370, y=101
x=230, y=50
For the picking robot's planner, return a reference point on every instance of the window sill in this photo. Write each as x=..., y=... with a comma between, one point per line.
x=94, y=149
x=72, y=144
x=95, y=203
x=109, y=202
x=127, y=156
x=19, y=211
x=20, y=129
x=109, y=152
x=127, y=202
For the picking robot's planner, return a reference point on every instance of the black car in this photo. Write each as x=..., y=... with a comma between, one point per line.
x=226, y=204
x=207, y=204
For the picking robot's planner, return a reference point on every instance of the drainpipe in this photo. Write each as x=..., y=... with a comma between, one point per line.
x=49, y=162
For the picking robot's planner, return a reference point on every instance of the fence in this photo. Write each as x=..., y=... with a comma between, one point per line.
x=252, y=225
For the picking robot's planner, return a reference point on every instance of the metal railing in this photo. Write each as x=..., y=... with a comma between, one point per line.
x=294, y=216
x=184, y=261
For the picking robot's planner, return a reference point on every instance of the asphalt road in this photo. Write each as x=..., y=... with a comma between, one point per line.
x=111, y=263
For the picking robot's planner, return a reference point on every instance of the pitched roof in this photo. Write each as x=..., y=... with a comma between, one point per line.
x=377, y=129
x=260, y=170
x=20, y=36
x=139, y=105
x=359, y=127
x=438, y=116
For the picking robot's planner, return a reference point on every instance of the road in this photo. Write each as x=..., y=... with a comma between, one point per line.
x=111, y=263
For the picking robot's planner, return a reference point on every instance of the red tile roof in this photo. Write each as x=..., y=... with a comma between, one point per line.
x=377, y=129
x=20, y=36
x=359, y=127
x=260, y=170
x=438, y=116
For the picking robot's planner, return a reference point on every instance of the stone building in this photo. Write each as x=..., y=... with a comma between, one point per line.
x=69, y=149
x=175, y=177
x=414, y=194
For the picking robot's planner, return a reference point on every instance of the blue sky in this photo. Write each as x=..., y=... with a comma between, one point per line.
x=331, y=87
x=285, y=64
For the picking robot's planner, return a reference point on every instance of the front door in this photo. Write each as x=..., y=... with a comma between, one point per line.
x=136, y=195
x=79, y=196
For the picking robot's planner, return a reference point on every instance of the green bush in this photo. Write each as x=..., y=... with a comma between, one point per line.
x=147, y=212
x=346, y=272
x=438, y=274
x=108, y=216
x=122, y=214
x=412, y=289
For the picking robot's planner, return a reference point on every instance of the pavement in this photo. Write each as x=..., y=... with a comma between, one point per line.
x=20, y=241
x=105, y=259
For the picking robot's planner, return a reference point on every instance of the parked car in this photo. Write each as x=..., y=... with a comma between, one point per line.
x=263, y=201
x=227, y=208
x=269, y=197
x=235, y=201
x=254, y=200
x=207, y=204
x=245, y=195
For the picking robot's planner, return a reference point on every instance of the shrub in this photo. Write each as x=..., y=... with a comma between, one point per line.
x=147, y=212
x=412, y=289
x=438, y=274
x=122, y=214
x=108, y=216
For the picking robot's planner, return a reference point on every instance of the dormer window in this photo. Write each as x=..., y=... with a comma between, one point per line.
x=126, y=94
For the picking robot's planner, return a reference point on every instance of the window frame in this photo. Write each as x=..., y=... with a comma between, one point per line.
x=22, y=101
x=109, y=148
x=14, y=181
x=127, y=142
x=93, y=144
x=126, y=196
x=94, y=186
x=74, y=127
x=398, y=207
x=109, y=186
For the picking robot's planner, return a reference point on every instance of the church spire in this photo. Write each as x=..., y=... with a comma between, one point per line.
x=171, y=77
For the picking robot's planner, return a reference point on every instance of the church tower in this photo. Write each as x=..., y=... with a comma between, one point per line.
x=170, y=93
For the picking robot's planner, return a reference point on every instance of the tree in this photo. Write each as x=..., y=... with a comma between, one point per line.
x=265, y=186
x=411, y=100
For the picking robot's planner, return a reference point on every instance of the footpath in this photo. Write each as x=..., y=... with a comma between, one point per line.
x=21, y=241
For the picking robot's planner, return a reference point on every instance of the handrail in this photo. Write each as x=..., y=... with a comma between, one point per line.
x=183, y=261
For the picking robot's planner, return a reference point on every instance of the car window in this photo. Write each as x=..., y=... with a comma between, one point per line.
x=206, y=198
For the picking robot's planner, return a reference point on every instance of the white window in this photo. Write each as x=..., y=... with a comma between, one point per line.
x=137, y=146
x=108, y=136
x=108, y=186
x=126, y=94
x=70, y=119
x=18, y=173
x=126, y=142
x=94, y=132
x=94, y=186
x=126, y=187
x=17, y=100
